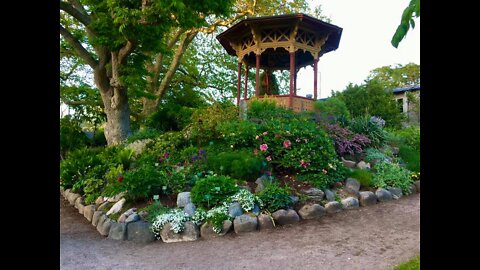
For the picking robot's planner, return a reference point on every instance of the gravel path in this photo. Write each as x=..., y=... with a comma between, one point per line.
x=374, y=237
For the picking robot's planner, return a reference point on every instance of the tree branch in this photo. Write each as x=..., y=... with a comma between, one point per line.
x=79, y=49
x=81, y=17
x=79, y=6
x=125, y=51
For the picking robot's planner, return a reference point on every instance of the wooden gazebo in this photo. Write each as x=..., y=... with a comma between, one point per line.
x=280, y=43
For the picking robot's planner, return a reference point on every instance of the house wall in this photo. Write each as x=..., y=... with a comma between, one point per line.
x=408, y=107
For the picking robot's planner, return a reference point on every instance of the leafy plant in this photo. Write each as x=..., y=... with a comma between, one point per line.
x=363, y=176
x=155, y=209
x=236, y=164
x=238, y=133
x=411, y=157
x=332, y=109
x=212, y=191
x=345, y=141
x=148, y=133
x=80, y=165
x=71, y=135
x=275, y=197
x=176, y=217
x=392, y=174
x=370, y=128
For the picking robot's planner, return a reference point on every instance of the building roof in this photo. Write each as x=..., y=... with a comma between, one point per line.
x=406, y=88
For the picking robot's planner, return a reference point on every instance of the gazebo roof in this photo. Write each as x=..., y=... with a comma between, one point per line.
x=245, y=28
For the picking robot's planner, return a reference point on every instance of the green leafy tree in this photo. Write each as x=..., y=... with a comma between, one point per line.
x=411, y=11
x=114, y=38
x=397, y=76
x=370, y=99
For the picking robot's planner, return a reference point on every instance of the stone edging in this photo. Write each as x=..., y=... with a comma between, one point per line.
x=139, y=231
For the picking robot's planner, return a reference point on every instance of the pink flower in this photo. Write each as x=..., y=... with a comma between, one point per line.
x=257, y=137
x=265, y=133
x=165, y=155
x=287, y=144
x=324, y=171
x=255, y=152
x=269, y=158
x=263, y=147
x=304, y=164
x=298, y=140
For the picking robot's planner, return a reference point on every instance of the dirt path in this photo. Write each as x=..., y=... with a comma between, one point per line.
x=376, y=237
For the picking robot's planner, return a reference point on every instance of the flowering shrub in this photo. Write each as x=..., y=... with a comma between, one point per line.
x=391, y=174
x=345, y=141
x=176, y=217
x=377, y=121
x=236, y=164
x=238, y=133
x=246, y=199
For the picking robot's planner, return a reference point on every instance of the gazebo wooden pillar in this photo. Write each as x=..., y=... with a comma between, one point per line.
x=284, y=42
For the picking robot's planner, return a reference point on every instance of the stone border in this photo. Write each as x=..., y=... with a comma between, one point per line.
x=139, y=231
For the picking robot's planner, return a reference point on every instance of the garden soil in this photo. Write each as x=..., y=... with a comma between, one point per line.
x=374, y=237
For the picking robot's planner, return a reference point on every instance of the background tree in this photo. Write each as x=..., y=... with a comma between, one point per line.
x=410, y=12
x=114, y=38
x=397, y=76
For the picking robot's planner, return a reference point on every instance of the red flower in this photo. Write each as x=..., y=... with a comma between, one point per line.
x=287, y=144
x=120, y=179
x=165, y=155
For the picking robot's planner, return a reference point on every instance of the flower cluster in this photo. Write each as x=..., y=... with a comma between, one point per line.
x=246, y=199
x=202, y=155
x=176, y=217
x=345, y=141
x=304, y=164
x=165, y=156
x=377, y=121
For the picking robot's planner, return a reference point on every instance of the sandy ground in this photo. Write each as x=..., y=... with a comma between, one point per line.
x=374, y=237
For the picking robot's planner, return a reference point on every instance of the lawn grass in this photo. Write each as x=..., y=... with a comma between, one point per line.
x=413, y=264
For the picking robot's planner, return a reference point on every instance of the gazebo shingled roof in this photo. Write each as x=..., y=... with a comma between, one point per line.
x=280, y=42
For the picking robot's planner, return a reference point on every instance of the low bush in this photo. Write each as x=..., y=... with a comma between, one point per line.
x=236, y=164
x=212, y=191
x=392, y=174
x=363, y=176
x=411, y=157
x=371, y=127
x=275, y=197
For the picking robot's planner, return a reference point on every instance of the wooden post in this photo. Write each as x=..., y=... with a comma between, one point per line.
x=315, y=67
x=257, y=76
x=292, y=75
x=295, y=83
x=246, y=81
x=239, y=81
x=267, y=90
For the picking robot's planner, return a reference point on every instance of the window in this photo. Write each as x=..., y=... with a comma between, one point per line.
x=400, y=104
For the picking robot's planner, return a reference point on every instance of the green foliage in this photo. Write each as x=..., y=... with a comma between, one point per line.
x=275, y=197
x=412, y=264
x=411, y=157
x=147, y=133
x=71, y=135
x=410, y=137
x=238, y=133
x=98, y=139
x=168, y=142
x=92, y=189
x=332, y=109
x=266, y=109
x=155, y=209
x=236, y=164
x=363, y=176
x=372, y=98
x=205, y=121
x=392, y=174
x=272, y=84
x=376, y=133
x=80, y=165
x=410, y=12
x=212, y=191
x=375, y=155
x=396, y=76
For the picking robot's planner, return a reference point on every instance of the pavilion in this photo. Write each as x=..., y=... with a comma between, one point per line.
x=283, y=42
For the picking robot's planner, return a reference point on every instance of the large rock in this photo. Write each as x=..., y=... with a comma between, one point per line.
x=66, y=193
x=183, y=198
x=311, y=211
x=333, y=207
x=294, y=199
x=350, y=203
x=72, y=197
x=96, y=217
x=396, y=192
x=88, y=212
x=132, y=218
x=115, y=198
x=207, y=232
x=117, y=207
x=284, y=217
x=235, y=210
x=78, y=201
x=383, y=195
x=412, y=190
x=352, y=186
x=260, y=185
x=245, y=223
x=348, y=163
x=265, y=222
x=191, y=233
x=256, y=210
x=104, y=227
x=103, y=206
x=363, y=165
x=313, y=192
x=99, y=200
x=189, y=209
x=62, y=191
x=140, y=232
x=417, y=185
x=138, y=146
x=367, y=198
x=118, y=231
x=330, y=195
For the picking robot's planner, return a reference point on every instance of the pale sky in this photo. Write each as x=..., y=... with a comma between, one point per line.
x=368, y=26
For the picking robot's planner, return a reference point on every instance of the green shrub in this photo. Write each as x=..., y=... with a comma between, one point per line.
x=212, y=191
x=144, y=134
x=332, y=109
x=71, y=136
x=238, y=133
x=363, y=176
x=80, y=165
x=375, y=155
x=267, y=109
x=411, y=137
x=98, y=139
x=153, y=210
x=236, y=164
x=275, y=197
x=411, y=157
x=392, y=174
